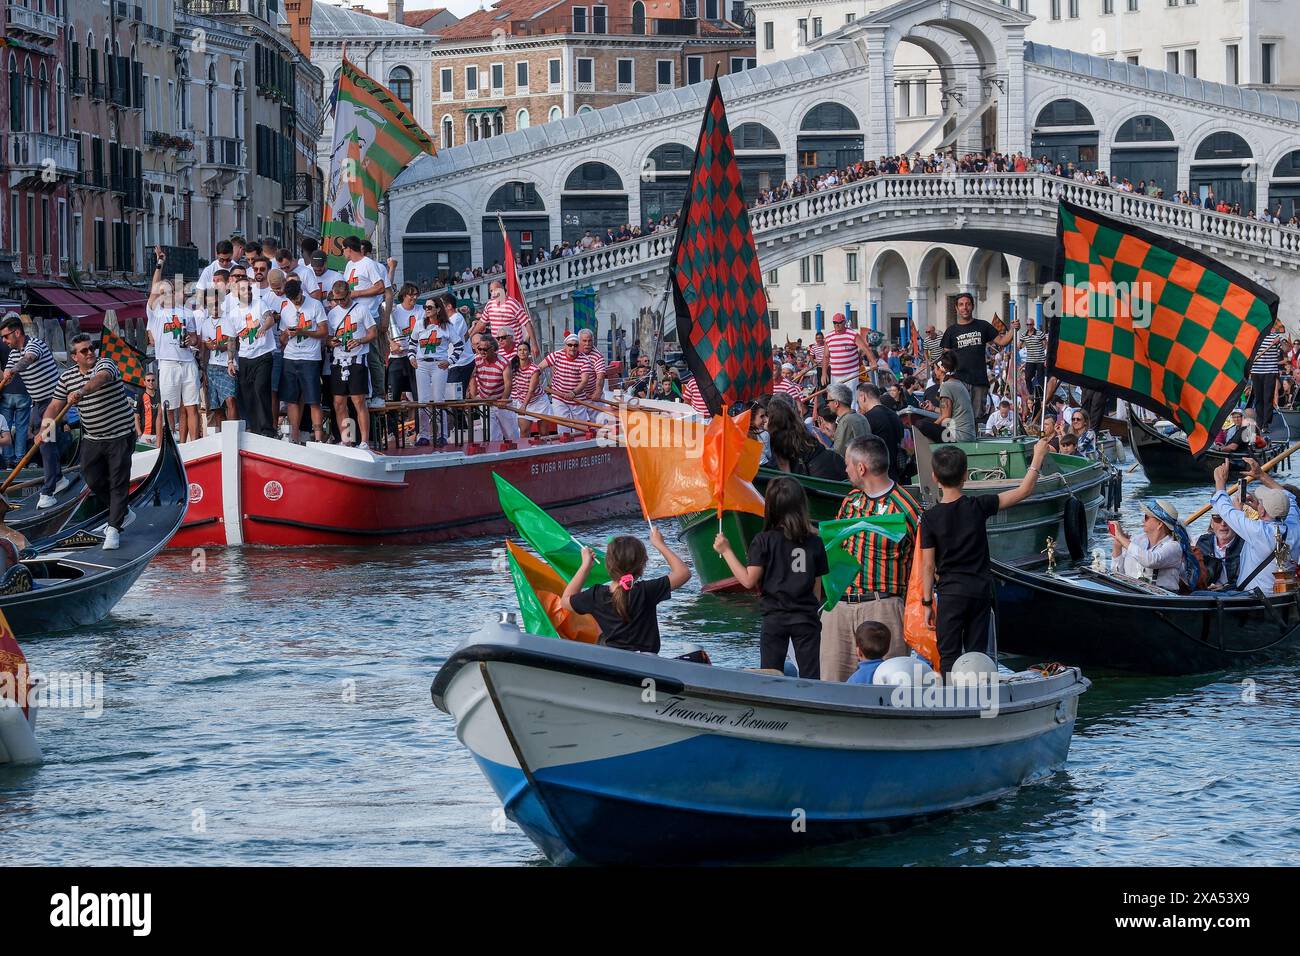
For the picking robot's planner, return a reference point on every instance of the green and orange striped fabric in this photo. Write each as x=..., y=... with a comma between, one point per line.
x=375, y=137
x=1153, y=321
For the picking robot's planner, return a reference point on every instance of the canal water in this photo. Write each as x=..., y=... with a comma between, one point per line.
x=264, y=707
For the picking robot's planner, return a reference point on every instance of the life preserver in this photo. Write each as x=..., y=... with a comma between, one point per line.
x=1074, y=521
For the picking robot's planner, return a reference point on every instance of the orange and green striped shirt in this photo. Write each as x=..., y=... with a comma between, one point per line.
x=885, y=563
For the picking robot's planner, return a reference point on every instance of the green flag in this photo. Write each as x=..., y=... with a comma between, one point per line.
x=531, y=612
x=561, y=550
x=844, y=567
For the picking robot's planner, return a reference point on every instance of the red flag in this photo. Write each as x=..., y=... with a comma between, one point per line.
x=13, y=664
x=512, y=274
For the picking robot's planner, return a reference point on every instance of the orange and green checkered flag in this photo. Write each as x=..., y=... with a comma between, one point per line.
x=1153, y=321
x=130, y=361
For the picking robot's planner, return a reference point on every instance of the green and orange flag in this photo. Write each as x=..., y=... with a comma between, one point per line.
x=375, y=137
x=130, y=361
x=722, y=321
x=1153, y=321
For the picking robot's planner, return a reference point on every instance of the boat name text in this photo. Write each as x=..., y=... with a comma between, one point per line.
x=675, y=709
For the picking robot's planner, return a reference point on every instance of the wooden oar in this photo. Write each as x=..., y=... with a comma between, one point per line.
x=19, y=539
x=1266, y=467
x=553, y=419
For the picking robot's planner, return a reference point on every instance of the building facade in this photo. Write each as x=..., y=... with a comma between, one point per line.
x=40, y=155
x=525, y=62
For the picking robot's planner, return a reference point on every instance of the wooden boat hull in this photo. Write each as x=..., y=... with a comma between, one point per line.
x=247, y=489
x=76, y=582
x=38, y=523
x=712, y=769
x=1048, y=617
x=1169, y=460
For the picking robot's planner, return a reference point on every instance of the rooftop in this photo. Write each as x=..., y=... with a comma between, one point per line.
x=330, y=22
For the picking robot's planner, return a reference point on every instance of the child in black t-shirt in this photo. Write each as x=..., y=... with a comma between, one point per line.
x=626, y=608
x=955, y=548
x=785, y=561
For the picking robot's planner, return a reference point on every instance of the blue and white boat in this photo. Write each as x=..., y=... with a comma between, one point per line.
x=610, y=757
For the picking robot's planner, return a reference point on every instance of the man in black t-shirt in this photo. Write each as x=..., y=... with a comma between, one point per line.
x=968, y=339
x=885, y=425
x=955, y=550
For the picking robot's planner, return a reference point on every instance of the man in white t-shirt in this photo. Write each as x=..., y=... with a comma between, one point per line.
x=364, y=276
x=351, y=330
x=174, y=337
x=249, y=329
x=225, y=257
x=303, y=326
x=318, y=284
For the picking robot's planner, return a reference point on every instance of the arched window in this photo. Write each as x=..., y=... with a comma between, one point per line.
x=15, y=96
x=555, y=114
x=498, y=123
x=754, y=136
x=448, y=133
x=638, y=18
x=521, y=119
x=62, y=104
x=1223, y=146
x=829, y=116
x=471, y=129
x=238, y=111
x=1144, y=129
x=43, y=102
x=29, y=106
x=1064, y=113
x=399, y=82
x=212, y=100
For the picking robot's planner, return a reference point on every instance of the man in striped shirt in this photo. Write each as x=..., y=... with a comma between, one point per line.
x=877, y=593
x=571, y=373
x=492, y=383
x=841, y=363
x=107, y=426
x=817, y=352
x=31, y=358
x=932, y=344
x=599, y=369
x=692, y=397
x=1035, y=342
x=783, y=386
x=503, y=314
x=1263, y=376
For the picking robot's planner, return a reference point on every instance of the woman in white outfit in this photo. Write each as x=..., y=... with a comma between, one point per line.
x=427, y=348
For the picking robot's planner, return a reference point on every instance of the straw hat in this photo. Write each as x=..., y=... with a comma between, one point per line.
x=1163, y=510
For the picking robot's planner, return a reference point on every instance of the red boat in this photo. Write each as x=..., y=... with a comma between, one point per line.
x=249, y=489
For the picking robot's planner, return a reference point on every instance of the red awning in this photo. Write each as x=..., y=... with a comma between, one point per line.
x=66, y=301
x=101, y=300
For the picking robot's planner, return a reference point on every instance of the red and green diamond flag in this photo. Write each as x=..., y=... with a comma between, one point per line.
x=722, y=321
x=130, y=361
x=1153, y=321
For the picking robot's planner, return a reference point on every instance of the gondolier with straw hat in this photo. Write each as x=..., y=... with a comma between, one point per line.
x=94, y=386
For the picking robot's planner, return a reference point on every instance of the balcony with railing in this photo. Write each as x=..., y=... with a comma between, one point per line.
x=99, y=90
x=224, y=151
x=299, y=192
x=32, y=154
x=182, y=141
x=32, y=22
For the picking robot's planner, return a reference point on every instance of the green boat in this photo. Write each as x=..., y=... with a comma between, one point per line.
x=1015, y=535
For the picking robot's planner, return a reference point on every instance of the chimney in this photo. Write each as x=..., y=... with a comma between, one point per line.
x=395, y=12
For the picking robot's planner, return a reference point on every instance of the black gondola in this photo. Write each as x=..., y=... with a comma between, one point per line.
x=1098, y=619
x=1166, y=458
x=68, y=580
x=37, y=523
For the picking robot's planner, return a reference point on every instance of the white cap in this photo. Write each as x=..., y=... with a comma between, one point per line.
x=570, y=339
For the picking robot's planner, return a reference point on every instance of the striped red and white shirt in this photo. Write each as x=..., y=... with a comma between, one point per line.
x=521, y=384
x=842, y=347
x=787, y=387
x=817, y=352
x=505, y=315
x=567, y=370
x=506, y=354
x=490, y=378
x=691, y=395
x=598, y=364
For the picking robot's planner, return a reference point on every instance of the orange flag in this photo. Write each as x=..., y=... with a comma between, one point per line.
x=681, y=466
x=920, y=637
x=547, y=587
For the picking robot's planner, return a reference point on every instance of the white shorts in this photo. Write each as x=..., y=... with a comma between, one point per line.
x=178, y=383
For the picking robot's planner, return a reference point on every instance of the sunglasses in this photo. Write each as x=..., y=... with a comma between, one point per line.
x=1215, y=519
x=85, y=350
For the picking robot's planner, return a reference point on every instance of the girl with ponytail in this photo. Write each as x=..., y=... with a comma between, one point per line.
x=626, y=607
